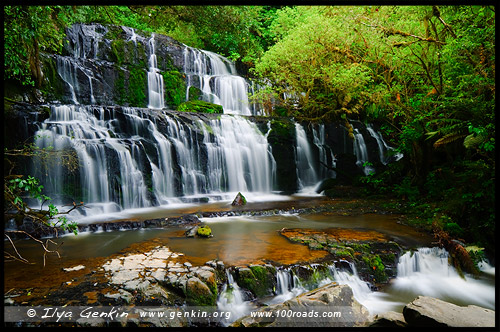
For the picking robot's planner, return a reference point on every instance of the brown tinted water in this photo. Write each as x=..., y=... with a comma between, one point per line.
x=236, y=241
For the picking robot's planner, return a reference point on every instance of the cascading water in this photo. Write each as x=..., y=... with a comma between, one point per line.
x=288, y=286
x=306, y=172
x=382, y=146
x=231, y=299
x=218, y=80
x=361, y=153
x=309, y=170
x=155, y=79
x=326, y=156
x=131, y=158
x=427, y=272
x=130, y=164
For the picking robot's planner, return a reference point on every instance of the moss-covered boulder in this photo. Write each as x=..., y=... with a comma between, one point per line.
x=175, y=88
x=258, y=279
x=204, y=231
x=200, y=106
x=199, y=294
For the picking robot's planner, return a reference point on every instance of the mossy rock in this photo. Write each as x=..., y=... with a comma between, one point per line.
x=204, y=231
x=194, y=93
x=283, y=128
x=257, y=279
x=200, y=106
x=377, y=267
x=199, y=294
x=175, y=88
x=239, y=200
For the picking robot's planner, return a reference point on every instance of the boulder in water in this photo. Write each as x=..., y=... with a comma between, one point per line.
x=239, y=200
x=204, y=231
x=311, y=309
x=428, y=311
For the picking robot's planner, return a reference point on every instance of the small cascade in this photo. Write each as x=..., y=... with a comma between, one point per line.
x=239, y=156
x=155, y=79
x=361, y=153
x=231, y=299
x=67, y=70
x=361, y=289
x=288, y=286
x=306, y=172
x=85, y=130
x=427, y=272
x=326, y=156
x=382, y=146
x=217, y=79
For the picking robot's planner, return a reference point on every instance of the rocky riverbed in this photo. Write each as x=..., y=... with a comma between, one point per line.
x=152, y=274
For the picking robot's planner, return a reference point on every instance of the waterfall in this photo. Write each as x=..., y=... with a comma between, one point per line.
x=67, y=70
x=306, y=172
x=427, y=272
x=231, y=299
x=155, y=79
x=85, y=130
x=325, y=153
x=288, y=286
x=361, y=153
x=133, y=158
x=126, y=162
x=382, y=146
x=241, y=153
x=217, y=79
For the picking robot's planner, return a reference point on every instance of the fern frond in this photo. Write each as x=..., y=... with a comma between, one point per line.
x=447, y=139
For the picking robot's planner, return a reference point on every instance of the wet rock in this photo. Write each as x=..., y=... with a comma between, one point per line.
x=191, y=232
x=260, y=280
x=239, y=200
x=300, y=311
x=204, y=231
x=372, y=252
x=428, y=311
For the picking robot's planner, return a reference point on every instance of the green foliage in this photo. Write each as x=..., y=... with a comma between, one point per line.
x=20, y=189
x=27, y=31
x=137, y=85
x=200, y=106
x=374, y=262
x=175, y=88
x=204, y=231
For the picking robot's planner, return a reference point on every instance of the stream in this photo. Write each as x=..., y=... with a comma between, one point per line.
x=245, y=239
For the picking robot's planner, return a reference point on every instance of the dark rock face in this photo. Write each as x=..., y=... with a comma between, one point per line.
x=282, y=140
x=107, y=65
